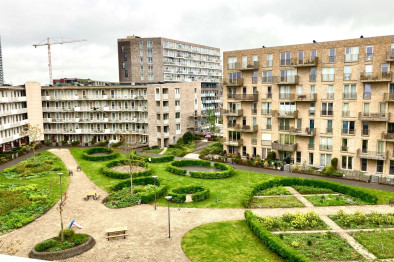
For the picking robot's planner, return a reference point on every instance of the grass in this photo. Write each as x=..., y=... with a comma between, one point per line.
x=153, y=151
x=321, y=246
x=312, y=190
x=25, y=198
x=380, y=243
x=274, y=191
x=180, y=150
x=75, y=240
x=272, y=202
x=335, y=200
x=359, y=220
x=229, y=191
x=225, y=241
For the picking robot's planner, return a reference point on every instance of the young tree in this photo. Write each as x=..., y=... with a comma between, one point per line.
x=211, y=120
x=128, y=147
x=35, y=134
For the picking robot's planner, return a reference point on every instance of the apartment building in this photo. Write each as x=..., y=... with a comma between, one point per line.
x=13, y=117
x=162, y=60
x=82, y=82
x=144, y=114
x=312, y=102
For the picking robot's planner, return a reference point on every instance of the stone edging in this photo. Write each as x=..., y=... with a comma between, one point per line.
x=63, y=254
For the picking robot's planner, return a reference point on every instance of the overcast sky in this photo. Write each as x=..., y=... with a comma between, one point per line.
x=227, y=24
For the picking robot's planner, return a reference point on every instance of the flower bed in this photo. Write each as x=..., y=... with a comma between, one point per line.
x=359, y=220
x=89, y=154
x=179, y=194
x=174, y=167
x=379, y=242
x=334, y=200
x=106, y=170
x=336, y=187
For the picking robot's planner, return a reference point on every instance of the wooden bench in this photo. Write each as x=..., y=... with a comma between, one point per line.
x=391, y=202
x=116, y=232
x=92, y=194
x=78, y=168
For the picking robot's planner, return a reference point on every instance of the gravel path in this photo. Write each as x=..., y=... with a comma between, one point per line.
x=148, y=229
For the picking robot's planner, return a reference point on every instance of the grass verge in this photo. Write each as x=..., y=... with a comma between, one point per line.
x=272, y=202
x=380, y=243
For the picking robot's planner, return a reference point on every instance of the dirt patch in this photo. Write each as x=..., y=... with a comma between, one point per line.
x=127, y=168
x=100, y=154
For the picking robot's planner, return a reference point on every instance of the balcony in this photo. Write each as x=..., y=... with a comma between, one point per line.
x=390, y=56
x=233, y=82
x=266, y=79
x=389, y=97
x=326, y=147
x=375, y=77
x=305, y=62
x=232, y=142
x=362, y=153
x=389, y=137
x=265, y=142
x=303, y=98
x=253, y=66
x=374, y=117
x=327, y=113
x=284, y=147
x=328, y=77
x=247, y=128
x=268, y=96
x=231, y=112
x=247, y=97
x=299, y=132
x=285, y=80
x=265, y=111
x=348, y=132
x=285, y=114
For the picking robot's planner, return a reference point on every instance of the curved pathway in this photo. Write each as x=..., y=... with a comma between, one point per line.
x=148, y=229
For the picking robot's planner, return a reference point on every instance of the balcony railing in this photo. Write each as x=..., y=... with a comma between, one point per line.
x=328, y=77
x=375, y=77
x=244, y=128
x=267, y=79
x=389, y=97
x=267, y=127
x=374, y=155
x=305, y=62
x=349, y=77
x=267, y=96
x=233, y=142
x=390, y=56
x=388, y=137
x=365, y=132
x=285, y=96
x=233, y=81
x=326, y=113
x=328, y=96
x=303, y=97
x=247, y=97
x=326, y=147
x=384, y=117
x=285, y=80
x=226, y=112
x=252, y=66
x=284, y=147
x=348, y=131
x=265, y=111
x=302, y=132
x=285, y=114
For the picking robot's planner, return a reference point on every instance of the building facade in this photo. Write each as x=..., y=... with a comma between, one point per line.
x=312, y=102
x=162, y=60
x=82, y=81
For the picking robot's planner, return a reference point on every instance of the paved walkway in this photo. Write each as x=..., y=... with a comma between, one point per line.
x=163, y=151
x=148, y=229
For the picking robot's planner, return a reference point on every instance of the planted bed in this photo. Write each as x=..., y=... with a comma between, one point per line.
x=181, y=167
x=99, y=154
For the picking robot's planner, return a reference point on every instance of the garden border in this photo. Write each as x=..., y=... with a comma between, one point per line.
x=153, y=159
x=87, y=154
x=174, y=167
x=107, y=171
x=199, y=193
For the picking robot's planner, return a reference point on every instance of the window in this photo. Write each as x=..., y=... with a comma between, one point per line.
x=348, y=127
x=327, y=109
x=379, y=166
x=369, y=53
x=244, y=150
x=325, y=159
x=178, y=115
x=284, y=124
x=150, y=60
x=267, y=76
x=177, y=91
x=122, y=48
x=368, y=70
x=177, y=102
x=310, y=161
x=149, y=43
x=300, y=57
x=123, y=65
x=350, y=92
x=150, y=76
x=367, y=91
x=150, y=53
x=330, y=92
x=285, y=58
x=125, y=57
x=255, y=58
x=231, y=62
x=347, y=73
x=313, y=54
x=142, y=77
x=141, y=43
x=345, y=110
x=298, y=157
x=269, y=60
x=266, y=108
x=351, y=54
x=142, y=69
x=150, y=69
x=312, y=74
x=328, y=74
x=141, y=52
x=141, y=60
x=178, y=127
x=126, y=73
x=244, y=62
x=326, y=143
x=331, y=55
x=364, y=164
x=347, y=162
x=391, y=171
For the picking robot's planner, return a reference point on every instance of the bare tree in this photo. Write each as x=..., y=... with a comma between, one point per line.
x=128, y=147
x=35, y=133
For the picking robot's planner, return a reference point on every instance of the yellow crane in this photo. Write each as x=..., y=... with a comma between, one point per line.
x=48, y=43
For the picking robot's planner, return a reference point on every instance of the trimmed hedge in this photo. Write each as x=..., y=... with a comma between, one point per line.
x=179, y=194
x=88, y=154
x=293, y=181
x=106, y=170
x=174, y=167
x=139, y=181
x=160, y=159
x=46, y=244
x=271, y=241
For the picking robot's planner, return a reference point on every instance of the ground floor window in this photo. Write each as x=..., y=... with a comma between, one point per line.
x=244, y=151
x=298, y=157
x=379, y=166
x=311, y=159
x=254, y=152
x=391, y=167
x=364, y=164
x=264, y=152
x=325, y=159
x=232, y=150
x=347, y=162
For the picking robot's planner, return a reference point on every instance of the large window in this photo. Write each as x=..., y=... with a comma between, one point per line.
x=325, y=159
x=327, y=109
x=285, y=58
x=328, y=74
x=348, y=127
x=347, y=162
x=379, y=166
x=267, y=76
x=351, y=54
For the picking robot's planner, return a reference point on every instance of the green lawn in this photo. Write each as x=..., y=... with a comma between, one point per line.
x=153, y=151
x=273, y=202
x=274, y=191
x=322, y=246
x=228, y=191
x=380, y=243
x=26, y=195
x=225, y=241
x=335, y=200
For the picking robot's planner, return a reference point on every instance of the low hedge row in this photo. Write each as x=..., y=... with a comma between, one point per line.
x=160, y=159
x=106, y=170
x=271, y=241
x=179, y=194
x=293, y=181
x=139, y=181
x=146, y=197
x=176, y=170
x=191, y=162
x=88, y=154
x=174, y=167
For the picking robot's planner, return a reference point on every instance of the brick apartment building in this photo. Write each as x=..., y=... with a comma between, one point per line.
x=312, y=102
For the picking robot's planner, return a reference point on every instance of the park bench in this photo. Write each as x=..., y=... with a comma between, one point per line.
x=78, y=168
x=92, y=194
x=116, y=232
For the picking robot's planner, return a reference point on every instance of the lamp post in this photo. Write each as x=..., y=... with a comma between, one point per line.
x=168, y=198
x=154, y=178
x=61, y=206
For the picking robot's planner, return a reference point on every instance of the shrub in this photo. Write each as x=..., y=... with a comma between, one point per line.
x=88, y=154
x=67, y=233
x=329, y=171
x=75, y=142
x=44, y=245
x=118, y=144
x=104, y=143
x=271, y=156
x=187, y=138
x=106, y=170
x=334, y=163
x=227, y=171
x=179, y=194
x=271, y=241
x=136, y=181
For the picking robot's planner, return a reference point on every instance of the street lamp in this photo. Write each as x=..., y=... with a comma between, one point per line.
x=168, y=198
x=61, y=206
x=154, y=178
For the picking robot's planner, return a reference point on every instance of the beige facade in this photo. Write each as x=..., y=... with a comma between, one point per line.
x=145, y=114
x=313, y=102
x=13, y=117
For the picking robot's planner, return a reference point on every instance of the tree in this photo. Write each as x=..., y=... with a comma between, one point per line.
x=211, y=120
x=35, y=134
x=128, y=147
x=187, y=138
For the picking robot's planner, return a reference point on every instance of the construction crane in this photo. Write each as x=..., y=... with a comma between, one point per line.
x=48, y=43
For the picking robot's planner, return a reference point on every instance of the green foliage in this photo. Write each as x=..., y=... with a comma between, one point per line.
x=47, y=244
x=118, y=144
x=214, y=148
x=106, y=170
x=379, y=242
x=274, y=191
x=75, y=142
x=271, y=156
x=67, y=233
x=179, y=194
x=88, y=154
x=227, y=171
x=360, y=220
x=334, y=163
x=293, y=181
x=136, y=181
x=103, y=144
x=335, y=200
x=271, y=241
x=10, y=200
x=330, y=171
x=159, y=159
x=187, y=138
x=306, y=190
x=273, y=202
